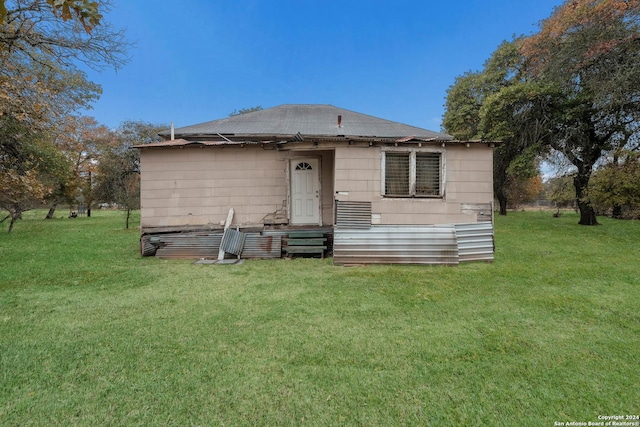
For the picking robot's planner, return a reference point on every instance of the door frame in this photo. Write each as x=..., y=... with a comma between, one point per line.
x=290, y=170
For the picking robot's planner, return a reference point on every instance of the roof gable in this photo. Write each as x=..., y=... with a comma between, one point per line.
x=308, y=120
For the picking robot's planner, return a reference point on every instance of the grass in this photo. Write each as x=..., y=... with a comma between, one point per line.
x=93, y=334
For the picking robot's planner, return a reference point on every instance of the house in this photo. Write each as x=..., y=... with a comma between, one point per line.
x=379, y=190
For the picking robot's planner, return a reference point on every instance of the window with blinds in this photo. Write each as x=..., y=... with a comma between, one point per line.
x=427, y=174
x=412, y=173
x=396, y=174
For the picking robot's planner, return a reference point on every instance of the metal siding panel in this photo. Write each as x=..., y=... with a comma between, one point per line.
x=353, y=214
x=475, y=241
x=259, y=246
x=201, y=245
x=232, y=241
x=378, y=244
x=188, y=245
x=396, y=245
x=147, y=248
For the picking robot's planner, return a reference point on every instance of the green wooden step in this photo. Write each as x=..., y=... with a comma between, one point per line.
x=306, y=249
x=301, y=234
x=306, y=242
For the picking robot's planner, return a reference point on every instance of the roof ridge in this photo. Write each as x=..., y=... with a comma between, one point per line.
x=307, y=119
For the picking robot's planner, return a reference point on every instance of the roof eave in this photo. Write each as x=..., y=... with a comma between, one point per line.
x=182, y=143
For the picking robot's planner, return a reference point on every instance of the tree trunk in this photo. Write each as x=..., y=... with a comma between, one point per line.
x=587, y=213
x=52, y=210
x=89, y=198
x=15, y=215
x=13, y=220
x=617, y=212
x=128, y=215
x=502, y=200
x=500, y=184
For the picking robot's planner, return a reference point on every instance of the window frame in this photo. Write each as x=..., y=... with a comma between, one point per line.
x=413, y=172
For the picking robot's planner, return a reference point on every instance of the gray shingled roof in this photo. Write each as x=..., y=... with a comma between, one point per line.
x=308, y=120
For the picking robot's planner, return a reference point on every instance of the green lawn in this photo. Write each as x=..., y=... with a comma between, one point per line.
x=93, y=334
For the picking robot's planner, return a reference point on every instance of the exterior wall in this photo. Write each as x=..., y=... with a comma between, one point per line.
x=197, y=186
x=192, y=186
x=468, y=182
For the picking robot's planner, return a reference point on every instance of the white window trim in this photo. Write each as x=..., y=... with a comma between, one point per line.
x=412, y=171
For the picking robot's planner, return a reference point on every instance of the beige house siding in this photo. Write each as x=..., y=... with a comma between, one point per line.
x=194, y=186
x=468, y=181
x=197, y=186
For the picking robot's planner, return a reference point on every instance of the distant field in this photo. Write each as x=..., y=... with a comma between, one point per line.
x=93, y=334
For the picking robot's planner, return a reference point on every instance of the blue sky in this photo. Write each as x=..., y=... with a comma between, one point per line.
x=198, y=60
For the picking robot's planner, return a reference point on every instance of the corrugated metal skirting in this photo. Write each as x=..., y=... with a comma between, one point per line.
x=187, y=245
x=429, y=244
x=206, y=245
x=475, y=241
x=395, y=245
x=257, y=246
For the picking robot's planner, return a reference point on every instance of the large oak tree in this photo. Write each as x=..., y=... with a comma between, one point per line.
x=576, y=91
x=588, y=55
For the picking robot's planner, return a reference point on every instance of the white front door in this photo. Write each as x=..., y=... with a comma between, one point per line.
x=305, y=191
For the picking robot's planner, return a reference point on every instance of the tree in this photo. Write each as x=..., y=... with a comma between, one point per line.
x=522, y=191
x=33, y=28
x=40, y=93
x=28, y=162
x=82, y=140
x=85, y=11
x=33, y=98
x=462, y=107
x=118, y=178
x=131, y=133
x=617, y=184
x=588, y=55
x=507, y=116
x=39, y=56
x=573, y=91
x=41, y=47
x=560, y=191
x=484, y=105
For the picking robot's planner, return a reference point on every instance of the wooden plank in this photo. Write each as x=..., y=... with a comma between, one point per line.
x=306, y=249
x=227, y=223
x=306, y=242
x=305, y=233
